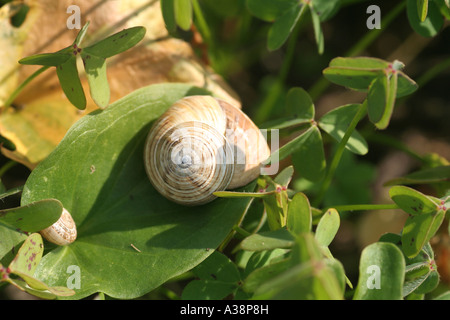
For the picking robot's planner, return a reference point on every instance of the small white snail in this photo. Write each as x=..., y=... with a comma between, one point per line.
x=63, y=231
x=201, y=145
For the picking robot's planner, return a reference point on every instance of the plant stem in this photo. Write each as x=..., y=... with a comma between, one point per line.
x=275, y=90
x=22, y=86
x=364, y=207
x=316, y=89
x=201, y=22
x=338, y=154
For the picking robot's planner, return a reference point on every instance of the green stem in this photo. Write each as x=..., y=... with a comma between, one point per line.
x=275, y=90
x=22, y=86
x=338, y=154
x=433, y=72
x=320, y=86
x=201, y=22
x=364, y=207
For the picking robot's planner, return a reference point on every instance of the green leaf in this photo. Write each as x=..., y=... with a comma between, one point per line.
x=265, y=273
x=70, y=83
x=325, y=9
x=47, y=59
x=364, y=63
x=218, y=277
x=117, y=43
x=33, y=217
x=309, y=159
x=381, y=273
x=336, y=122
x=327, y=227
x=300, y=105
x=418, y=230
x=432, y=23
x=310, y=277
x=377, y=97
x=28, y=256
x=168, y=12
x=127, y=232
x=412, y=201
x=422, y=9
x=390, y=96
x=299, y=218
x=183, y=13
x=285, y=176
x=268, y=240
x=318, y=34
x=405, y=85
x=80, y=36
x=96, y=74
x=283, y=26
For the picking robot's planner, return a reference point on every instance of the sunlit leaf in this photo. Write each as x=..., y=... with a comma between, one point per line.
x=381, y=273
x=96, y=74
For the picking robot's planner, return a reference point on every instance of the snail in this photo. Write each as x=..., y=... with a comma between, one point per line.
x=63, y=231
x=201, y=145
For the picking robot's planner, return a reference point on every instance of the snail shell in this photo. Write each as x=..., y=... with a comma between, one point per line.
x=63, y=231
x=201, y=145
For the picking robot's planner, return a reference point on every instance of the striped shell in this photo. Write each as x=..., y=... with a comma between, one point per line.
x=201, y=145
x=63, y=231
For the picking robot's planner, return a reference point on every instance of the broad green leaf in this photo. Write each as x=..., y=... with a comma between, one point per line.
x=183, y=13
x=336, y=122
x=117, y=43
x=327, y=227
x=422, y=9
x=411, y=201
x=299, y=217
x=28, y=256
x=47, y=59
x=268, y=240
x=432, y=23
x=383, y=122
x=381, y=273
x=70, y=83
x=318, y=34
x=168, y=12
x=309, y=159
x=282, y=27
x=32, y=217
x=300, y=105
x=424, y=176
x=269, y=10
x=96, y=74
x=130, y=238
x=418, y=230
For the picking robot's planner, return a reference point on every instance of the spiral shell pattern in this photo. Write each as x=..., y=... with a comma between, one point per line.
x=193, y=148
x=63, y=231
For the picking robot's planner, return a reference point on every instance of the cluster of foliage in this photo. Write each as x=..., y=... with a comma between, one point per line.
x=283, y=235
